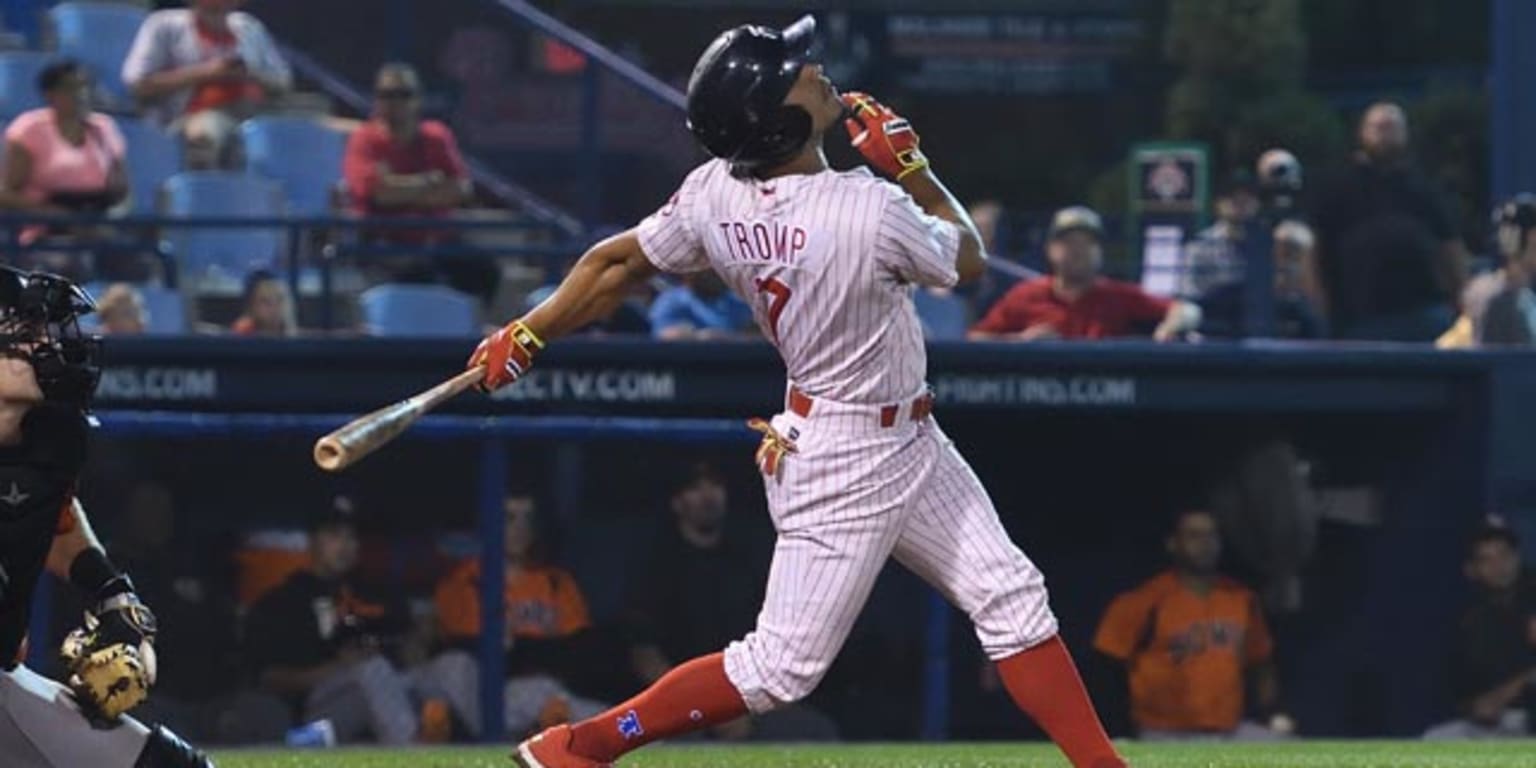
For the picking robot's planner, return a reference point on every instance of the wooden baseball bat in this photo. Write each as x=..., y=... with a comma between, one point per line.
x=366, y=434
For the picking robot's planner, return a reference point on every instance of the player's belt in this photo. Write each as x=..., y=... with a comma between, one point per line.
x=801, y=404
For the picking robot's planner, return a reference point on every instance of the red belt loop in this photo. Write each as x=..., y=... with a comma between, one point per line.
x=799, y=403
x=921, y=408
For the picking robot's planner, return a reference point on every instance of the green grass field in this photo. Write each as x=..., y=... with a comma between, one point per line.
x=1309, y=754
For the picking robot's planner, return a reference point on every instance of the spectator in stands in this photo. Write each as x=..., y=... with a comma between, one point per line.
x=120, y=311
x=204, y=69
x=1216, y=255
x=1189, y=641
x=1388, y=251
x=1295, y=291
x=700, y=308
x=546, y=620
x=398, y=164
x=267, y=307
x=1077, y=302
x=317, y=642
x=63, y=157
x=1499, y=307
x=696, y=593
x=1494, y=668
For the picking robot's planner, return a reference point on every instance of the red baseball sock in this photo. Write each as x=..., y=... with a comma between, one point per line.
x=692, y=696
x=1043, y=681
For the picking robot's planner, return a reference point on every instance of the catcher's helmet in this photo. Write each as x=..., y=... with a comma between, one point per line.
x=40, y=322
x=1515, y=218
x=736, y=94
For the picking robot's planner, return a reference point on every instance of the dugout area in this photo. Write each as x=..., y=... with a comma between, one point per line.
x=1086, y=488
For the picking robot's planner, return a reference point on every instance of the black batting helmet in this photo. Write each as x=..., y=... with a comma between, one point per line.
x=1515, y=218
x=736, y=94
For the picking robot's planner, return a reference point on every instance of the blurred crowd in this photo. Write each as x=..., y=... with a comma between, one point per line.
x=1365, y=251
x=334, y=634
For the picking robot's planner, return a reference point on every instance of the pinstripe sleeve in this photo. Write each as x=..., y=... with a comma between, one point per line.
x=668, y=237
x=918, y=247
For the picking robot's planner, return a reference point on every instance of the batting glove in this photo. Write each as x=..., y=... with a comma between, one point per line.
x=884, y=138
x=506, y=354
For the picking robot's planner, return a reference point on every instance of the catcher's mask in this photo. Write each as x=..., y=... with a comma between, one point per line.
x=40, y=323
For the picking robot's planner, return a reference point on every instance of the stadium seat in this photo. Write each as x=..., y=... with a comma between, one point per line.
x=99, y=35
x=153, y=157
x=417, y=310
x=165, y=306
x=301, y=154
x=204, y=253
x=18, y=81
x=945, y=316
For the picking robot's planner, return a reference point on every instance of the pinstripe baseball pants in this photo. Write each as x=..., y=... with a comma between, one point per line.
x=852, y=495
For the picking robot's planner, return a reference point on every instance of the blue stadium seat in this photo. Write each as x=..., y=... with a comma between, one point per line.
x=945, y=316
x=417, y=310
x=99, y=36
x=166, y=308
x=301, y=154
x=153, y=157
x=18, y=81
x=222, y=253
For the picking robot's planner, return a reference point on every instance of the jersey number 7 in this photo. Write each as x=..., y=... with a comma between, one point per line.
x=778, y=295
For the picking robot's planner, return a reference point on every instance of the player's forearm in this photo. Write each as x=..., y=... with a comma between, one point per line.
x=76, y=538
x=593, y=289
x=935, y=199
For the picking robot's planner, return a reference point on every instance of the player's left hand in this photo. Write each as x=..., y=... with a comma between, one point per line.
x=884, y=138
x=111, y=660
x=506, y=354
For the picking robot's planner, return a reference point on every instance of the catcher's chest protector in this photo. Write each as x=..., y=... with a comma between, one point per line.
x=36, y=480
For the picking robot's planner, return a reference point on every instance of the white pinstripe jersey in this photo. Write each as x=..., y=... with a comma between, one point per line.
x=827, y=261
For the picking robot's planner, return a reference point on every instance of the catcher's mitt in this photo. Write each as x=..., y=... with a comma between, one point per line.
x=111, y=660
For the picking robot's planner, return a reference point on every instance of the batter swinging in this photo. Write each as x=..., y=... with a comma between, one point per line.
x=856, y=470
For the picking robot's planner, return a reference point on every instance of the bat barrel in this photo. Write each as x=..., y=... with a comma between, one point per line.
x=330, y=454
x=366, y=434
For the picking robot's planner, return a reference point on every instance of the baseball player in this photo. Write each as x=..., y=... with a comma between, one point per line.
x=48, y=373
x=855, y=468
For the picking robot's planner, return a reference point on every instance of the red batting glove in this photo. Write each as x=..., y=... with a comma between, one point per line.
x=885, y=138
x=506, y=354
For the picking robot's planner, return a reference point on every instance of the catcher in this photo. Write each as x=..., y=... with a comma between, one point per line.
x=48, y=373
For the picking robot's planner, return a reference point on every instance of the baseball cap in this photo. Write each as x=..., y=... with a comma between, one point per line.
x=1078, y=218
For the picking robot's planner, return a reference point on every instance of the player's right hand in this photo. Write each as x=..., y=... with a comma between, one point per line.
x=884, y=138
x=506, y=355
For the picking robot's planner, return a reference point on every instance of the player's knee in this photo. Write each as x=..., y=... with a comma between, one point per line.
x=164, y=749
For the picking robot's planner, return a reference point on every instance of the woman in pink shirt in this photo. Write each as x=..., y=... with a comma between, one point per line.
x=62, y=158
